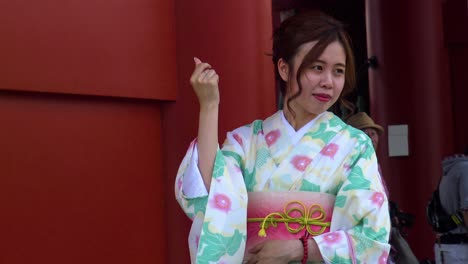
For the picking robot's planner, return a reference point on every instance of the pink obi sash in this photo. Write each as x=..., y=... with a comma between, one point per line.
x=287, y=215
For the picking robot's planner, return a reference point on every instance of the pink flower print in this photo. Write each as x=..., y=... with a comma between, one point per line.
x=330, y=150
x=346, y=167
x=383, y=258
x=301, y=162
x=221, y=202
x=377, y=198
x=272, y=136
x=332, y=238
x=179, y=183
x=197, y=240
x=238, y=139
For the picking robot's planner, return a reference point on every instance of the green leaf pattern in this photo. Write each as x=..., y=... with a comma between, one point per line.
x=257, y=126
x=215, y=245
x=218, y=169
x=199, y=204
x=339, y=260
x=322, y=133
x=340, y=201
x=308, y=186
x=356, y=181
x=377, y=236
x=234, y=155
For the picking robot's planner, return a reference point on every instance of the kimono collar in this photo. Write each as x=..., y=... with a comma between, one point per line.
x=296, y=135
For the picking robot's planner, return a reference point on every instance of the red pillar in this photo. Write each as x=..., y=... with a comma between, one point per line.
x=411, y=86
x=234, y=37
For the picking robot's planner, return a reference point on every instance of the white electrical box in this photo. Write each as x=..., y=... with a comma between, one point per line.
x=398, y=140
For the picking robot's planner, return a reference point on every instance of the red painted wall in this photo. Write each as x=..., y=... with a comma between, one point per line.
x=456, y=40
x=80, y=180
x=233, y=36
x=81, y=164
x=411, y=86
x=459, y=79
x=123, y=48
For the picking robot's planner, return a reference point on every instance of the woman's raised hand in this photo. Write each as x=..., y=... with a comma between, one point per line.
x=204, y=81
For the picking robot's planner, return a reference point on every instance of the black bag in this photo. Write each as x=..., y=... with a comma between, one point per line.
x=438, y=218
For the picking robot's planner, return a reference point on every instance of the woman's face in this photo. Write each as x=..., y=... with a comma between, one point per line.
x=322, y=82
x=374, y=136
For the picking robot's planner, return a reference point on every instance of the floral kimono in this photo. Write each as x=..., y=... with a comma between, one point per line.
x=330, y=158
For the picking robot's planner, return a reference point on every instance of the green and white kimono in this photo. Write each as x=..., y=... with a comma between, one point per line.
x=328, y=157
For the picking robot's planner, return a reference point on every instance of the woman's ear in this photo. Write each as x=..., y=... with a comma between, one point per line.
x=283, y=69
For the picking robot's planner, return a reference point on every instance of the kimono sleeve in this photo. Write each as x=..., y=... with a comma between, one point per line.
x=360, y=225
x=190, y=200
x=190, y=190
x=218, y=230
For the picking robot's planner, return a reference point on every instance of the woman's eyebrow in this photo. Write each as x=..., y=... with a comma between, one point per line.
x=336, y=64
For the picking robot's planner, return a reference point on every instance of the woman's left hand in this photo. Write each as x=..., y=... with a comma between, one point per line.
x=275, y=252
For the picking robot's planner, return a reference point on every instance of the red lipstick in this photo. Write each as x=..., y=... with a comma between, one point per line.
x=322, y=97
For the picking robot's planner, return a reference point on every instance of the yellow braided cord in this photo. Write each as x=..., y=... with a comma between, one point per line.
x=305, y=219
x=455, y=219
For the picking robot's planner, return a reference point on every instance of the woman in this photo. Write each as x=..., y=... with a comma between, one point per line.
x=302, y=159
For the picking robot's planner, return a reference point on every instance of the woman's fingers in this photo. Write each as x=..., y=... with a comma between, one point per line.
x=251, y=260
x=204, y=81
x=200, y=68
x=257, y=248
x=207, y=75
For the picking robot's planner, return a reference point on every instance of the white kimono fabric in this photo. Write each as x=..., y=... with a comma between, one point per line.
x=331, y=158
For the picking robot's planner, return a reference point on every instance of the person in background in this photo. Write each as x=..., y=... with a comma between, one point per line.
x=401, y=252
x=300, y=186
x=452, y=246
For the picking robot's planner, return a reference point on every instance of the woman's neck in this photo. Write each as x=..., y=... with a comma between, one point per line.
x=298, y=120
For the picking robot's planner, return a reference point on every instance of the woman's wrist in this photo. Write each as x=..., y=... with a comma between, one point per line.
x=209, y=106
x=314, y=251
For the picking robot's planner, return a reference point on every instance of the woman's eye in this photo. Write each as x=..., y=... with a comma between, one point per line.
x=317, y=67
x=340, y=71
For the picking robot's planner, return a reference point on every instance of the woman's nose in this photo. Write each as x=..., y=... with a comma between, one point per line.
x=326, y=80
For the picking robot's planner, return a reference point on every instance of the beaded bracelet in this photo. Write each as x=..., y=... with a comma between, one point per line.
x=305, y=240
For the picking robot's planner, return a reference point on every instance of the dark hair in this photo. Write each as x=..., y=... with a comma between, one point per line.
x=466, y=150
x=306, y=27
